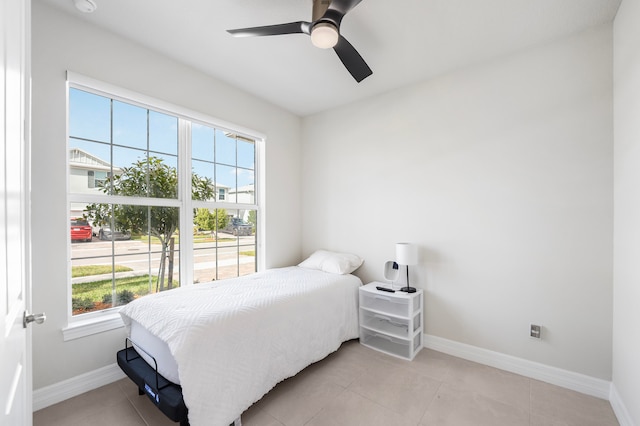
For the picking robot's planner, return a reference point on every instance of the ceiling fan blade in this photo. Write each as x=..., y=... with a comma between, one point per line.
x=343, y=6
x=352, y=60
x=300, y=27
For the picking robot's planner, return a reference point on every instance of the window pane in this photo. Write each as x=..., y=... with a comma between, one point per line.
x=163, y=133
x=127, y=157
x=163, y=176
x=164, y=241
x=202, y=138
x=85, y=153
x=245, y=177
x=129, y=125
x=226, y=176
x=237, y=243
x=225, y=148
x=170, y=161
x=130, y=169
x=84, y=163
x=89, y=116
x=245, y=193
x=246, y=154
x=204, y=261
x=202, y=166
x=203, y=169
x=247, y=260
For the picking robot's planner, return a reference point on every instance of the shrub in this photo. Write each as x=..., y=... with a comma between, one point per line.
x=84, y=304
x=122, y=298
x=125, y=296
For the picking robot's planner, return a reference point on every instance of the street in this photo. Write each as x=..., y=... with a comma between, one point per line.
x=143, y=258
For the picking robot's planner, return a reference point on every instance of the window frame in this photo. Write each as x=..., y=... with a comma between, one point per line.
x=93, y=322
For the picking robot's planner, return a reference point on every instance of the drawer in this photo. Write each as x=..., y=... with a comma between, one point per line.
x=393, y=346
x=388, y=304
x=388, y=324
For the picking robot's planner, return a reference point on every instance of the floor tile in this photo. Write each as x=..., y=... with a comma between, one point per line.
x=537, y=420
x=512, y=389
x=399, y=389
x=297, y=399
x=433, y=364
x=80, y=407
x=121, y=414
x=455, y=407
x=569, y=407
x=351, y=409
x=255, y=416
x=347, y=364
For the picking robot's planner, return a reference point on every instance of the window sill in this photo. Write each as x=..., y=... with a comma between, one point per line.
x=87, y=327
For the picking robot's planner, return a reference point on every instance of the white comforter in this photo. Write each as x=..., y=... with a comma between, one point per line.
x=234, y=340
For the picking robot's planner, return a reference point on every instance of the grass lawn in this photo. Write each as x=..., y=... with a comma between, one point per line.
x=91, y=296
x=96, y=290
x=88, y=270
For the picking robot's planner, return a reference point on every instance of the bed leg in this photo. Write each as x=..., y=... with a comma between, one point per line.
x=140, y=391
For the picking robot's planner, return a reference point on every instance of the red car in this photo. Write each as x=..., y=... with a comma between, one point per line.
x=81, y=230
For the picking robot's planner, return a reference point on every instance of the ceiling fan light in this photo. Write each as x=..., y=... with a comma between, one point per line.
x=86, y=6
x=324, y=35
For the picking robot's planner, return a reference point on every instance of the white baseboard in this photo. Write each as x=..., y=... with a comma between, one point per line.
x=75, y=386
x=624, y=418
x=556, y=376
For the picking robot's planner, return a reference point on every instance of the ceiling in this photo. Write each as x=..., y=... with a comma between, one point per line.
x=403, y=41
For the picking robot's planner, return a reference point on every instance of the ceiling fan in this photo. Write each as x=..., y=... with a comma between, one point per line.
x=324, y=30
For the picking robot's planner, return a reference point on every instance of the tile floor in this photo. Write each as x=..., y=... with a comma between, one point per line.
x=358, y=386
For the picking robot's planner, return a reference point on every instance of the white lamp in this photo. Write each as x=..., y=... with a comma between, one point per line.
x=407, y=254
x=324, y=35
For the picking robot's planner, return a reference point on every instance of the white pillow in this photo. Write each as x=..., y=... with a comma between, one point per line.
x=335, y=263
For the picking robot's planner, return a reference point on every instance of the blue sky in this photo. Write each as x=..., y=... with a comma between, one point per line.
x=90, y=119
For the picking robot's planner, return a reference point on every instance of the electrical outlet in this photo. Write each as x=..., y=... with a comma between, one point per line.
x=535, y=330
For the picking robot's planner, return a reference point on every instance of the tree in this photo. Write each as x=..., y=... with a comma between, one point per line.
x=210, y=220
x=155, y=179
x=253, y=219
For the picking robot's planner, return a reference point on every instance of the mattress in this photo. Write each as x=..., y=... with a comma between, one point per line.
x=229, y=342
x=150, y=344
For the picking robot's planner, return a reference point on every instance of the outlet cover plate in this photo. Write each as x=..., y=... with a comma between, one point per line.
x=535, y=331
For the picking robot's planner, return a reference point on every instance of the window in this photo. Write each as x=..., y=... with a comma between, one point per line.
x=227, y=240
x=150, y=174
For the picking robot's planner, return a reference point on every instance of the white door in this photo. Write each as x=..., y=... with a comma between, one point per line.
x=15, y=365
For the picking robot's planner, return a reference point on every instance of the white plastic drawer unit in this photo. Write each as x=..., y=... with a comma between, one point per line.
x=389, y=324
x=391, y=345
x=388, y=304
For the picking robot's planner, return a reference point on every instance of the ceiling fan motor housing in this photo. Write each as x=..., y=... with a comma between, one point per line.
x=319, y=8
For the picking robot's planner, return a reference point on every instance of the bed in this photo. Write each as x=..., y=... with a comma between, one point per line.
x=226, y=343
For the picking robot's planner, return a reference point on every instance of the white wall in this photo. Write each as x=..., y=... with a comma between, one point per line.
x=502, y=174
x=62, y=43
x=626, y=314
